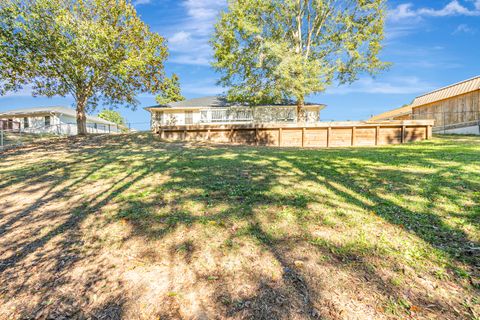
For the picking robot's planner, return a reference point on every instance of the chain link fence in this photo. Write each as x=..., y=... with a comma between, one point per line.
x=138, y=126
x=12, y=134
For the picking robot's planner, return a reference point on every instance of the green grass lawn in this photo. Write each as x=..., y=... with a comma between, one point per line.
x=14, y=139
x=132, y=227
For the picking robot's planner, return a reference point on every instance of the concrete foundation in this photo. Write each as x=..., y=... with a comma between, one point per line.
x=471, y=129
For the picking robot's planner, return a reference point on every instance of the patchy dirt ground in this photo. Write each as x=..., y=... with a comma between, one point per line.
x=129, y=227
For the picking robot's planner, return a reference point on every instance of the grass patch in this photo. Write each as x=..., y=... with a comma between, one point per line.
x=367, y=232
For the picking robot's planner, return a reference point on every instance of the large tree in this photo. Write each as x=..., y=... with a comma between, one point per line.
x=269, y=51
x=97, y=51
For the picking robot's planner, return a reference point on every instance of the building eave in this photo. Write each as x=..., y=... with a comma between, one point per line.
x=23, y=114
x=167, y=108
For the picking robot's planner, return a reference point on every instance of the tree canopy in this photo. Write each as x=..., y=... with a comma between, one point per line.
x=113, y=116
x=268, y=51
x=97, y=51
x=170, y=91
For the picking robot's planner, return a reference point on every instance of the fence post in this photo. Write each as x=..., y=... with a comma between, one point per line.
x=329, y=136
x=1, y=138
x=303, y=137
x=354, y=137
x=280, y=136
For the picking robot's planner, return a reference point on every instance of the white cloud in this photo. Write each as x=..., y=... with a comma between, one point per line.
x=189, y=43
x=453, y=8
x=398, y=85
x=192, y=59
x=140, y=2
x=179, y=38
x=203, y=10
x=402, y=11
x=398, y=31
x=477, y=4
x=464, y=28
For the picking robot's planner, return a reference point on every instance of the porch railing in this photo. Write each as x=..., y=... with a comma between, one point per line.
x=248, y=114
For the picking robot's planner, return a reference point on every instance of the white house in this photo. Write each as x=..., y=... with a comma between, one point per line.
x=56, y=120
x=215, y=109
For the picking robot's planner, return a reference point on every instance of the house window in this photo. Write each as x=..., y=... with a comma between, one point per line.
x=188, y=117
x=47, y=121
x=25, y=123
x=158, y=117
x=204, y=116
x=10, y=124
x=313, y=116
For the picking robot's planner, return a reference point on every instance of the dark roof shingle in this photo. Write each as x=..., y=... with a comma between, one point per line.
x=210, y=101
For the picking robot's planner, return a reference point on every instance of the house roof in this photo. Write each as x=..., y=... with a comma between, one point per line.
x=450, y=91
x=53, y=109
x=211, y=102
x=393, y=113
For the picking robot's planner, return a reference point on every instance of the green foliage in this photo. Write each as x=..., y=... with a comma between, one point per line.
x=94, y=50
x=113, y=116
x=170, y=91
x=272, y=50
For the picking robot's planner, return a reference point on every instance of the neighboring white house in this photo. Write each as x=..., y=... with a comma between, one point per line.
x=208, y=110
x=56, y=120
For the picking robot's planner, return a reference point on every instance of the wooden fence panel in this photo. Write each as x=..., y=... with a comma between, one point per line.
x=268, y=137
x=243, y=136
x=365, y=136
x=341, y=137
x=334, y=134
x=221, y=136
x=315, y=137
x=415, y=134
x=390, y=135
x=292, y=137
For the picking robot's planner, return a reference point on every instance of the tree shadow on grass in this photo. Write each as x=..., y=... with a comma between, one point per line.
x=233, y=186
x=426, y=224
x=231, y=182
x=66, y=238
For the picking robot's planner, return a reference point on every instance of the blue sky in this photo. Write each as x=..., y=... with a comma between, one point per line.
x=431, y=43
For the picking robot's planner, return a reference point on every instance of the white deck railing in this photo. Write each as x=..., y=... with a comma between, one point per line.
x=248, y=114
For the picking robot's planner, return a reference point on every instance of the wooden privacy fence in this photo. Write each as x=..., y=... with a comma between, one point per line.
x=329, y=134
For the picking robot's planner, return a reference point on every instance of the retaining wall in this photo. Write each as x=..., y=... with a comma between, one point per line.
x=328, y=134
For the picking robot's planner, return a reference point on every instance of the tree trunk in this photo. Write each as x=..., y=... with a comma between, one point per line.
x=81, y=119
x=301, y=116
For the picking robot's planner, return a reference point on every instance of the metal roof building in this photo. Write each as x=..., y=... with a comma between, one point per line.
x=448, y=92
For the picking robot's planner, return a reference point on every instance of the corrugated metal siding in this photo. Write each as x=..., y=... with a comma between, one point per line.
x=448, y=92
